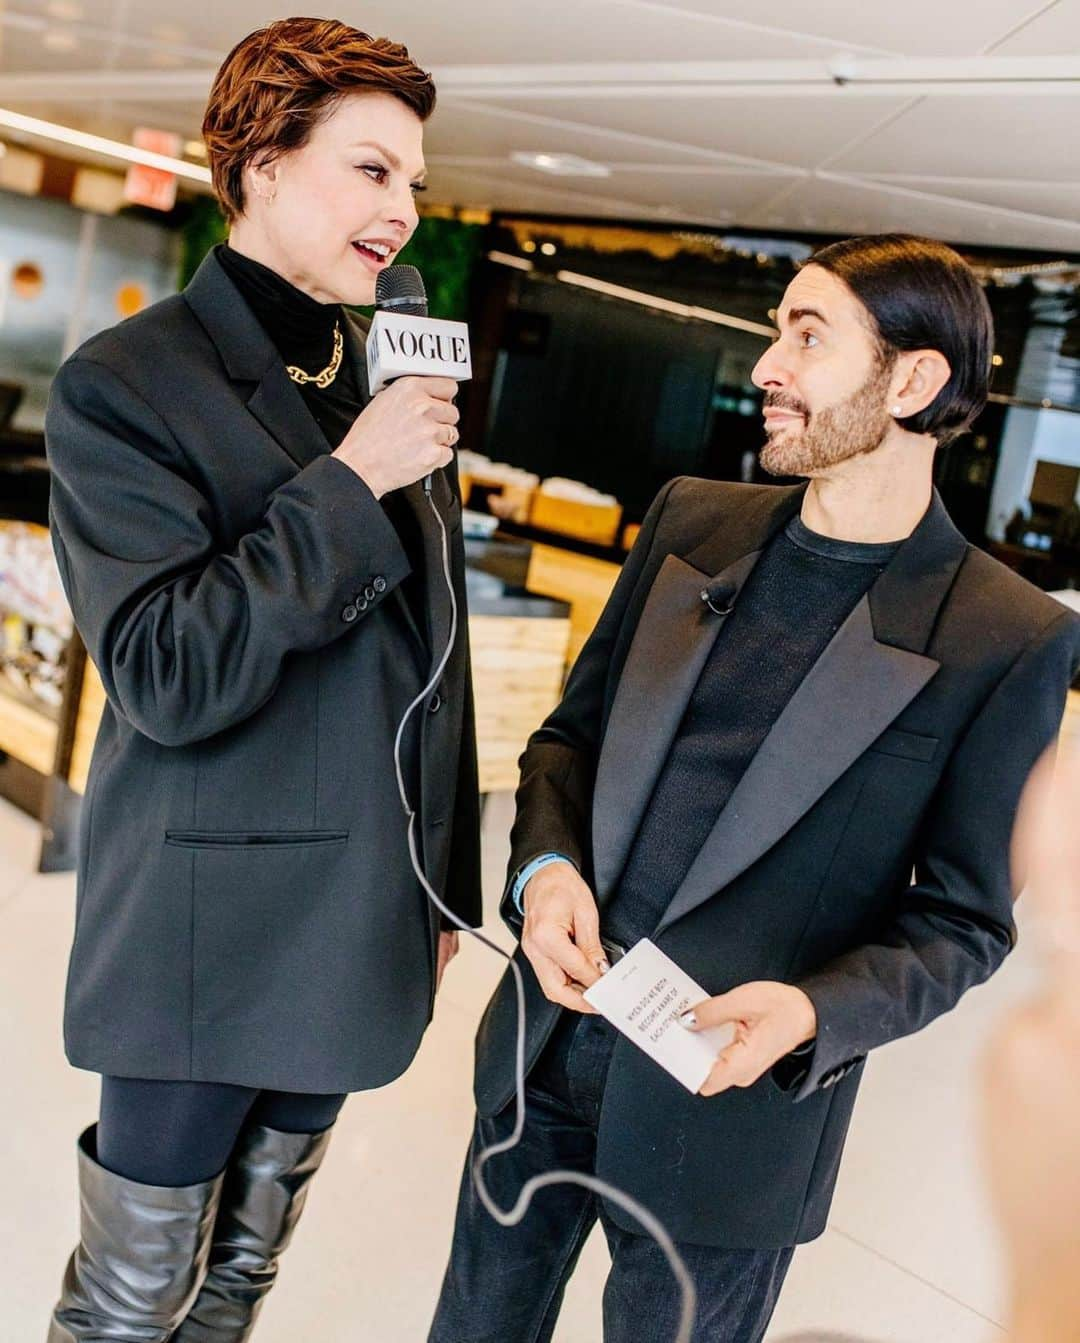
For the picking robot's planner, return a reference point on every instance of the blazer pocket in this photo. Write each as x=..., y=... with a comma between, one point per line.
x=252, y=839
x=907, y=745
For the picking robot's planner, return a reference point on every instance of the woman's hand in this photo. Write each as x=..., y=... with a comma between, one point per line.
x=448, y=949
x=404, y=433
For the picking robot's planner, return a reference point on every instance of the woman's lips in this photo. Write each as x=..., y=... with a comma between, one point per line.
x=371, y=259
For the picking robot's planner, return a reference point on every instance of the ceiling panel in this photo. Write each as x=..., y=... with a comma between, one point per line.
x=914, y=28
x=1060, y=200
x=1055, y=33
x=822, y=206
x=787, y=130
x=471, y=33
x=720, y=197
x=991, y=136
x=493, y=190
x=466, y=127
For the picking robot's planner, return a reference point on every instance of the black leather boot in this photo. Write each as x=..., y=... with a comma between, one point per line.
x=266, y=1184
x=142, y=1253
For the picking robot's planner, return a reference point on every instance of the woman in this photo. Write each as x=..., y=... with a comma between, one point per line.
x=258, y=577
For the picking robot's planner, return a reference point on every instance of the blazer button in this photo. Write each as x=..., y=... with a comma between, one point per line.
x=435, y=703
x=361, y=603
x=369, y=592
x=349, y=614
x=379, y=584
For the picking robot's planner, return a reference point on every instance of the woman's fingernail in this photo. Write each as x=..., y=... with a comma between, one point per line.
x=689, y=1020
x=603, y=965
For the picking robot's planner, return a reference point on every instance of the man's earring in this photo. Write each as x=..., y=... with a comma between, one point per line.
x=896, y=410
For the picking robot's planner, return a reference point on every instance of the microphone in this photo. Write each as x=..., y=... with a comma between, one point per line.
x=719, y=596
x=401, y=289
x=405, y=341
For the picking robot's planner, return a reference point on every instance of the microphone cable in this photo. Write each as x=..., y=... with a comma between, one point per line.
x=508, y=1217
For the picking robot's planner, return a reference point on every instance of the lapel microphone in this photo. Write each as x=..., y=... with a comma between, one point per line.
x=719, y=596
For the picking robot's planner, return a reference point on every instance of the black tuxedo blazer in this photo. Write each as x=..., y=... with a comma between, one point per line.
x=905, y=748
x=246, y=908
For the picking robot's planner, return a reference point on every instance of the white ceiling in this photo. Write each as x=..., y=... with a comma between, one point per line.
x=711, y=112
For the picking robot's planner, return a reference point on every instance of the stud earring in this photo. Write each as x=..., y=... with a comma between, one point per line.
x=896, y=410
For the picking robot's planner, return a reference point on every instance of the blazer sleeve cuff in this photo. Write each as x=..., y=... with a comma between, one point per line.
x=367, y=559
x=831, y=1055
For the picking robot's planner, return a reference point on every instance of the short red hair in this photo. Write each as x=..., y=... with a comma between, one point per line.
x=277, y=84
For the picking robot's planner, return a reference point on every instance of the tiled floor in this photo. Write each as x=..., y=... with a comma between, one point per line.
x=910, y=1255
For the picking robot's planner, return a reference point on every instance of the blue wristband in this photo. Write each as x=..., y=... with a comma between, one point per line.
x=530, y=870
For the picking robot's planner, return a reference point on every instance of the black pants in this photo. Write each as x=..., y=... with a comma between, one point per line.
x=181, y=1133
x=505, y=1285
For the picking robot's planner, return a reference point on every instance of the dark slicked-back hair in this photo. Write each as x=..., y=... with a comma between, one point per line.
x=921, y=295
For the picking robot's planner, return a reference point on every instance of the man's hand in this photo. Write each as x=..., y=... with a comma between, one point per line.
x=770, y=1021
x=561, y=936
x=448, y=949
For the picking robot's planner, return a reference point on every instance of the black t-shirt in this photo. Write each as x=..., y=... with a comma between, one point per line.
x=797, y=596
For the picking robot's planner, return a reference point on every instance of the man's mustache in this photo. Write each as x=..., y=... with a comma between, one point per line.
x=778, y=401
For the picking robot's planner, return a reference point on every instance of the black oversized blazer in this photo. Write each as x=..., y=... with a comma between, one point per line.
x=246, y=908
x=905, y=748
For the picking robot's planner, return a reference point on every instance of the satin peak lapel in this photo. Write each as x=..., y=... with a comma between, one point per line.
x=673, y=639
x=850, y=696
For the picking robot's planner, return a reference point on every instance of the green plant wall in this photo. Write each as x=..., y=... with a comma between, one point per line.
x=205, y=227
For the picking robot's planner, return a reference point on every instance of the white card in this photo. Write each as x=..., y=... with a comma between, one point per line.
x=643, y=995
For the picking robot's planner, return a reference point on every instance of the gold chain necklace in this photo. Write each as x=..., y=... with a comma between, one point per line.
x=329, y=373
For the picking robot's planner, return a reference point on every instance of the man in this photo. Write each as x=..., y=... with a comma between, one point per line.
x=794, y=698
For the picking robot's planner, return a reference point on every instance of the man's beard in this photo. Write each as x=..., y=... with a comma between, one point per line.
x=850, y=429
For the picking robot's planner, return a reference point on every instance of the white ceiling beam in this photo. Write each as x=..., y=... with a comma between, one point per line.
x=839, y=77
x=843, y=68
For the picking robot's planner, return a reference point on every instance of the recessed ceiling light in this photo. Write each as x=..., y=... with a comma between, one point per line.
x=560, y=165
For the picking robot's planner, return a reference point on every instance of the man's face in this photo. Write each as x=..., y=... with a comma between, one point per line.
x=826, y=385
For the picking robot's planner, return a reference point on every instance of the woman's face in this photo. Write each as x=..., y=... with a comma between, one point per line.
x=331, y=215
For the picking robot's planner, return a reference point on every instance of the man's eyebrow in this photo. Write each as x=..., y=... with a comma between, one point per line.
x=800, y=314
x=392, y=159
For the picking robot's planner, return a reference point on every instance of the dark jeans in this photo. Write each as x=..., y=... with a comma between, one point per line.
x=181, y=1133
x=506, y=1284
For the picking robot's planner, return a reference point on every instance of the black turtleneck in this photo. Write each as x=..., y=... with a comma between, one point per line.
x=302, y=330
